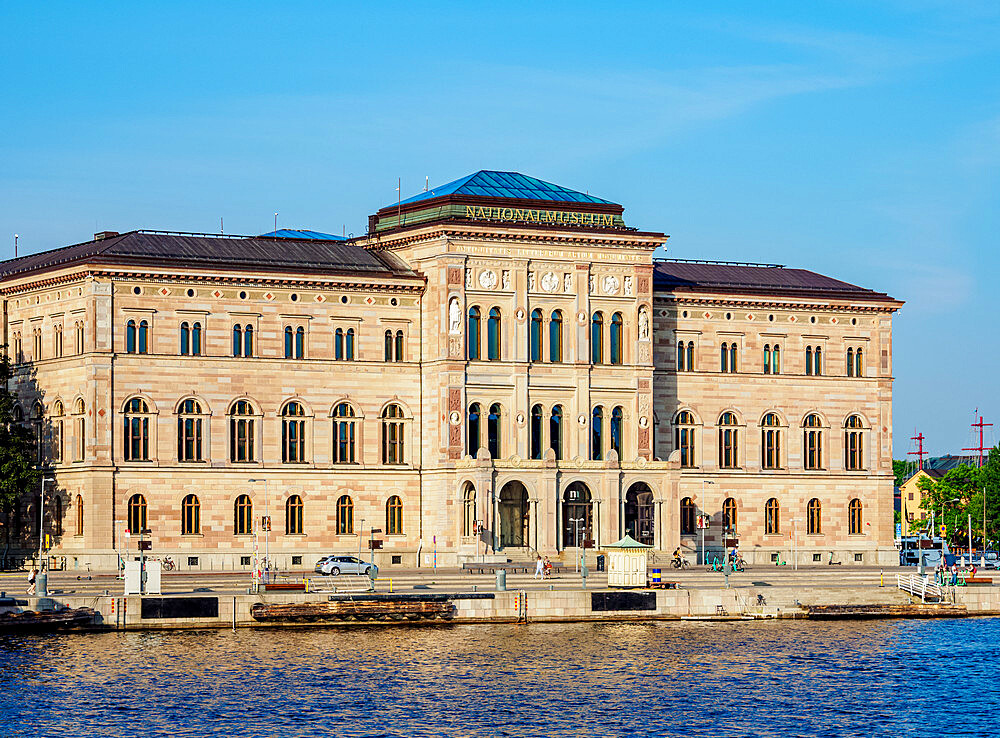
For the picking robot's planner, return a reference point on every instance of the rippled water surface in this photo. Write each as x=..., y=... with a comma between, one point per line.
x=792, y=678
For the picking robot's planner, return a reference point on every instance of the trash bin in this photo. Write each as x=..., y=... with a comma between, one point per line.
x=501, y=580
x=600, y=562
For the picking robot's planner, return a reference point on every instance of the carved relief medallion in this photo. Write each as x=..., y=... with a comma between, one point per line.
x=549, y=281
x=487, y=279
x=610, y=285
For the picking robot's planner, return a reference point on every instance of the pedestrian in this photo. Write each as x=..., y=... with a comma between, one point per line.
x=547, y=569
x=32, y=576
x=539, y=568
x=954, y=574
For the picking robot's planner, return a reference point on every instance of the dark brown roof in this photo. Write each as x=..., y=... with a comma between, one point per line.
x=193, y=249
x=669, y=275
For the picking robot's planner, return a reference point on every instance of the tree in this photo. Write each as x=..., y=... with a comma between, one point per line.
x=902, y=471
x=989, y=483
x=951, y=499
x=19, y=475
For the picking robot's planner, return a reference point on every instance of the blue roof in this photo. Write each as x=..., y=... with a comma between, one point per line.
x=290, y=233
x=509, y=185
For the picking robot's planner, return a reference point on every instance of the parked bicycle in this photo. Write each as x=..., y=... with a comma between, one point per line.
x=167, y=563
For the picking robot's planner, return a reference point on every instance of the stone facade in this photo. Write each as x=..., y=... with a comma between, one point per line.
x=609, y=472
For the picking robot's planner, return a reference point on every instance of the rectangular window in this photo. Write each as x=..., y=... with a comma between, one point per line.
x=192, y=561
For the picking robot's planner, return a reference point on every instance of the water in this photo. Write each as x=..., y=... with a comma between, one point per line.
x=790, y=678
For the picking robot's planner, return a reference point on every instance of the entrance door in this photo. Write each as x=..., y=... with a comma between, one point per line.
x=639, y=513
x=577, y=516
x=513, y=515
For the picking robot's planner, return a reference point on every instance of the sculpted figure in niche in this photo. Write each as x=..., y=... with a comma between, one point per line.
x=628, y=286
x=567, y=282
x=593, y=289
x=468, y=277
x=643, y=324
x=531, y=281
x=505, y=279
x=454, y=317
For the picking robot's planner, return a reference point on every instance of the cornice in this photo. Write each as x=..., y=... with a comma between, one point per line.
x=871, y=306
x=613, y=238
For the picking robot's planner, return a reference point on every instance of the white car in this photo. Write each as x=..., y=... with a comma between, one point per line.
x=334, y=565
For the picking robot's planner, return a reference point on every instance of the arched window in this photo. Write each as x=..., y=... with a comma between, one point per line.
x=136, y=514
x=345, y=432
x=57, y=516
x=809, y=360
x=345, y=516
x=473, y=332
x=136, y=435
x=684, y=434
x=56, y=447
x=813, y=442
x=248, y=341
x=687, y=517
x=850, y=362
x=469, y=511
x=535, y=336
x=473, y=430
x=597, y=433
x=130, y=337
x=189, y=431
x=394, y=516
x=392, y=435
x=300, y=342
x=293, y=433
x=772, y=518
x=859, y=364
x=57, y=340
x=770, y=439
x=241, y=432
x=814, y=517
x=493, y=431
x=143, y=337
x=681, y=357
x=817, y=361
x=237, y=340
x=597, y=338
x=243, y=516
x=388, y=345
x=399, y=346
x=776, y=359
x=555, y=430
x=349, y=345
x=80, y=430
x=728, y=357
x=854, y=517
x=196, y=339
x=190, y=516
x=185, y=339
x=616, y=431
x=728, y=441
x=243, y=341
x=853, y=444
x=616, y=338
x=293, y=516
x=536, y=432
x=289, y=341
x=338, y=344
x=556, y=336
x=79, y=337
x=79, y=516
x=767, y=358
x=493, y=335
x=729, y=519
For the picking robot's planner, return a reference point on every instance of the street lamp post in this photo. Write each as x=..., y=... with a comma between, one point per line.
x=266, y=520
x=42, y=579
x=361, y=532
x=576, y=539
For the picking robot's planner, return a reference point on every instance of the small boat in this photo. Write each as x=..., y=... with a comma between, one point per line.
x=31, y=621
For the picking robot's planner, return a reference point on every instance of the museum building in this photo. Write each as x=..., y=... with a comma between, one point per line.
x=498, y=367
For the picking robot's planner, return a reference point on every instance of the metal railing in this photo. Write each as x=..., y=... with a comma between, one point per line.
x=921, y=587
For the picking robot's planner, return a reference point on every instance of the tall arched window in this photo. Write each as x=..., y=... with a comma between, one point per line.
x=473, y=332
x=536, y=432
x=237, y=340
x=597, y=338
x=767, y=358
x=617, y=416
x=809, y=360
x=813, y=442
x=241, y=432
x=850, y=362
x=80, y=430
x=728, y=441
x=136, y=514
x=556, y=336
x=473, y=430
x=597, y=433
x=248, y=340
x=493, y=335
x=535, y=336
x=776, y=359
x=293, y=433
x=136, y=435
x=345, y=516
x=57, y=516
x=770, y=442
x=79, y=337
x=684, y=435
x=617, y=327
x=681, y=357
x=400, y=356
x=854, y=444
x=854, y=517
x=493, y=431
x=242, y=516
x=190, y=516
x=687, y=517
x=185, y=339
x=689, y=366
x=300, y=342
x=243, y=340
x=772, y=517
x=388, y=345
x=56, y=447
x=143, y=337
x=814, y=517
x=196, y=339
x=349, y=345
x=189, y=431
x=817, y=361
x=345, y=432
x=289, y=342
x=729, y=518
x=859, y=364
x=338, y=344
x=728, y=357
x=469, y=511
x=293, y=516
x=79, y=516
x=555, y=430
x=394, y=516
x=57, y=341
x=392, y=434
x=130, y=337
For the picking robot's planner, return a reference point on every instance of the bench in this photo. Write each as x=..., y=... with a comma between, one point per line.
x=979, y=580
x=285, y=587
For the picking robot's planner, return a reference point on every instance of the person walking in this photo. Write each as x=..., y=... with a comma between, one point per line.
x=547, y=568
x=539, y=568
x=32, y=577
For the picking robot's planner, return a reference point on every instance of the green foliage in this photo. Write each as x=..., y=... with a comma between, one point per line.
x=18, y=474
x=959, y=494
x=902, y=470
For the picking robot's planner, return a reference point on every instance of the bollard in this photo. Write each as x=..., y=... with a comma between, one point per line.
x=881, y=578
x=501, y=580
x=41, y=584
x=390, y=585
x=584, y=571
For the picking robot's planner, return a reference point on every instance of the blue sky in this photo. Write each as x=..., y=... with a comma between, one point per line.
x=858, y=139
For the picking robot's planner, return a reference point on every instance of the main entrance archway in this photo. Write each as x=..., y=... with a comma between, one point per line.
x=577, y=516
x=639, y=513
x=513, y=515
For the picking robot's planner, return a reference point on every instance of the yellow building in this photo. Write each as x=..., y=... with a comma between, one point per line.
x=499, y=366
